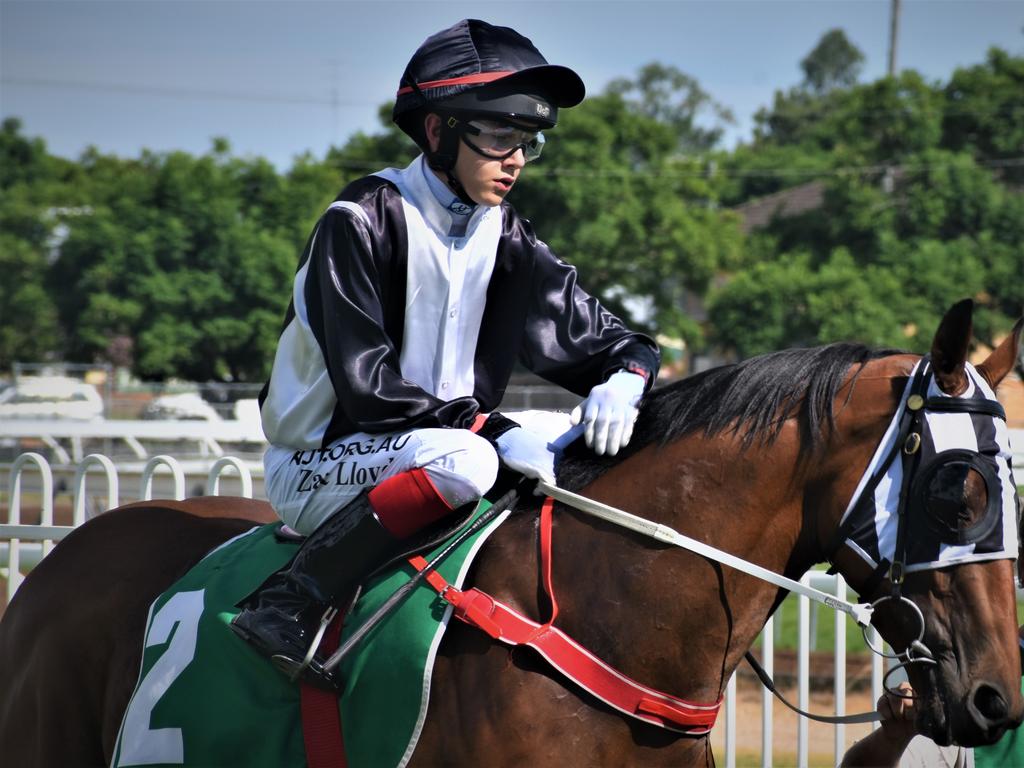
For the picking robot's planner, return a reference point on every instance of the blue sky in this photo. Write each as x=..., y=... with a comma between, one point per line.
x=280, y=77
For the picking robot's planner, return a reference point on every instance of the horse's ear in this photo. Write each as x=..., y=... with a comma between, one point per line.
x=1003, y=357
x=949, y=347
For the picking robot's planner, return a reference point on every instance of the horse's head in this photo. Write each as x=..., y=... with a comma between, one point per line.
x=937, y=516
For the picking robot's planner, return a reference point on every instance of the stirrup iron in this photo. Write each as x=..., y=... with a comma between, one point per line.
x=294, y=669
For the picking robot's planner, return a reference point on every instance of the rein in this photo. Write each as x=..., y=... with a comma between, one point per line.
x=859, y=612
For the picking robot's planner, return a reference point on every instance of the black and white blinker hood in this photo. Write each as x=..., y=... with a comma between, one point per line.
x=957, y=435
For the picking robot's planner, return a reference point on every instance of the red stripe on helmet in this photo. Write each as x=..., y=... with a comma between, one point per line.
x=481, y=77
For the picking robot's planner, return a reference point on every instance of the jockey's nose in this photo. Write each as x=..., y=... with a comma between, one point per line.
x=517, y=159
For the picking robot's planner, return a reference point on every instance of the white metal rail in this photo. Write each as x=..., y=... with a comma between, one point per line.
x=57, y=433
x=23, y=546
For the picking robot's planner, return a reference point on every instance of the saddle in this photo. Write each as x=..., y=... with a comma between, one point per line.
x=202, y=691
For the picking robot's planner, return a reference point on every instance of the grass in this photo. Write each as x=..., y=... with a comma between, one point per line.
x=786, y=633
x=752, y=759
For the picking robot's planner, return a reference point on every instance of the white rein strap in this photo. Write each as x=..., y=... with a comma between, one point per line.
x=859, y=612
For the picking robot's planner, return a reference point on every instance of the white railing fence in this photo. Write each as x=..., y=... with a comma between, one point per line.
x=66, y=439
x=807, y=613
x=22, y=546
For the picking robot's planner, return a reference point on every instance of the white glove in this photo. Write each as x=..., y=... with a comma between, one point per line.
x=528, y=454
x=609, y=411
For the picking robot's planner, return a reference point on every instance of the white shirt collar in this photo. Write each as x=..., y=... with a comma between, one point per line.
x=440, y=218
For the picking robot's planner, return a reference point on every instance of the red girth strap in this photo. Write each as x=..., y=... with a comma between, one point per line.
x=321, y=721
x=575, y=662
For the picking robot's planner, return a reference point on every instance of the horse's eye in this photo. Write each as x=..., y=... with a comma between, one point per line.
x=956, y=497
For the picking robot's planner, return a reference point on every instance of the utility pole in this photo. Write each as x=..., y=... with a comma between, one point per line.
x=894, y=25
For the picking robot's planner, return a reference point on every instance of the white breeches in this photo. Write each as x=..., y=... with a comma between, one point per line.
x=306, y=487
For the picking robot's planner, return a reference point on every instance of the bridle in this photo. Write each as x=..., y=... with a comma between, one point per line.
x=907, y=447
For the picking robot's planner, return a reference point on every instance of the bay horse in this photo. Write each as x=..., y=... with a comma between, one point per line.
x=759, y=458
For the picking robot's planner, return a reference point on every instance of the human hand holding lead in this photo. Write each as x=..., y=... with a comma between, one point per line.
x=898, y=713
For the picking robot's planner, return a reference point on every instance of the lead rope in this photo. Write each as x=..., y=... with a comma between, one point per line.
x=767, y=682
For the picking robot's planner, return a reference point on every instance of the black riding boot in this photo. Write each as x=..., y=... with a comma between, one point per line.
x=282, y=617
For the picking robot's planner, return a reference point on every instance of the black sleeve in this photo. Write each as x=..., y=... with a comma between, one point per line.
x=570, y=338
x=346, y=313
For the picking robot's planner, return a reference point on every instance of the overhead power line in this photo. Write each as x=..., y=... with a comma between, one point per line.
x=184, y=93
x=815, y=110
x=852, y=170
x=334, y=102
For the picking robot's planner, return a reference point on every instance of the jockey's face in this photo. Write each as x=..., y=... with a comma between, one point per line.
x=486, y=180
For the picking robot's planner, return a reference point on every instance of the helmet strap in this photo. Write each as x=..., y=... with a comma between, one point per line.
x=443, y=159
x=458, y=189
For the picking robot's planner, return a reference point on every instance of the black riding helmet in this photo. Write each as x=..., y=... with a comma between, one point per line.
x=476, y=70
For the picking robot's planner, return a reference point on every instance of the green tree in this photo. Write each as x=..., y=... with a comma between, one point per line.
x=833, y=63
x=30, y=184
x=753, y=171
x=1001, y=247
x=190, y=258
x=880, y=122
x=613, y=196
x=788, y=302
x=881, y=266
x=946, y=195
x=913, y=201
x=669, y=96
x=28, y=320
x=22, y=160
x=984, y=112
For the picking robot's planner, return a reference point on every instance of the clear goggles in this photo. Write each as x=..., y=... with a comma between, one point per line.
x=500, y=140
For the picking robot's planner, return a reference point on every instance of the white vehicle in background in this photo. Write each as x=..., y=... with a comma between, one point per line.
x=187, y=406
x=51, y=397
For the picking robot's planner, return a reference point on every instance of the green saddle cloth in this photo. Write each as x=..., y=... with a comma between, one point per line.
x=205, y=698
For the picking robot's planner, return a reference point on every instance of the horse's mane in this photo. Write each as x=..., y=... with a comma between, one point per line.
x=752, y=398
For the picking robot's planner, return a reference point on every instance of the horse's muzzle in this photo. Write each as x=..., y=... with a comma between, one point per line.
x=989, y=715
x=988, y=712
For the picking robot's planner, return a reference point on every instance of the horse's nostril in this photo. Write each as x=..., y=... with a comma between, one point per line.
x=990, y=704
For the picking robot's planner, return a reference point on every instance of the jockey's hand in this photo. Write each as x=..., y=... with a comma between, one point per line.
x=609, y=411
x=528, y=454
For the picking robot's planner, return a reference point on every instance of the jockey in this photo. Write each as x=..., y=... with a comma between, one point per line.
x=418, y=291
